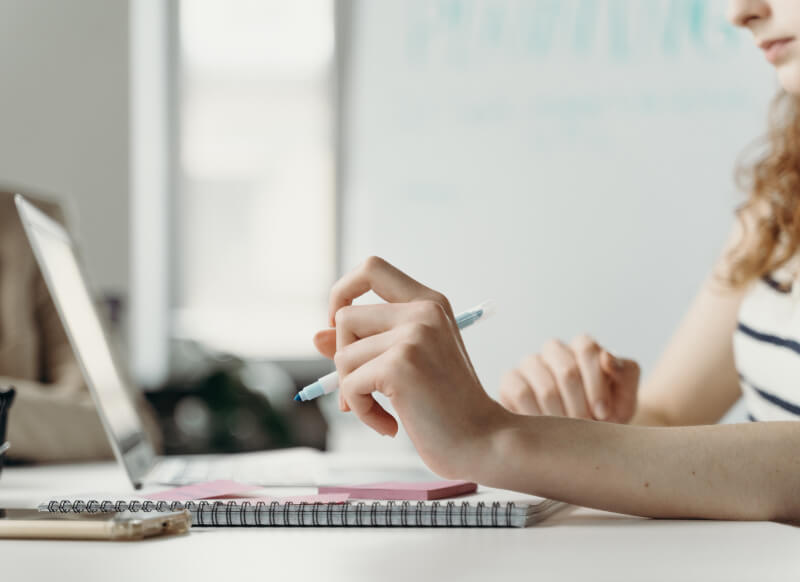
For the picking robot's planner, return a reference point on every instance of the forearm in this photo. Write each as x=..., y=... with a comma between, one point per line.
x=745, y=471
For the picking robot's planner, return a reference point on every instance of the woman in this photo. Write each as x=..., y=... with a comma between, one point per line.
x=410, y=350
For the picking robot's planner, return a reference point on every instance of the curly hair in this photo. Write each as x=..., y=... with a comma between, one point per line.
x=770, y=218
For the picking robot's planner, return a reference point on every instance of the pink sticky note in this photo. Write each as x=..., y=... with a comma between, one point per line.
x=406, y=491
x=208, y=490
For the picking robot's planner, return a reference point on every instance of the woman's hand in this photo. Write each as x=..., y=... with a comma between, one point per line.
x=410, y=350
x=581, y=380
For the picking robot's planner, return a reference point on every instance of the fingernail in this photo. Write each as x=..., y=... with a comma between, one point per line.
x=617, y=363
x=600, y=410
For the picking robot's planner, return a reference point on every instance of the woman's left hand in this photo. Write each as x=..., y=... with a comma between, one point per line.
x=410, y=350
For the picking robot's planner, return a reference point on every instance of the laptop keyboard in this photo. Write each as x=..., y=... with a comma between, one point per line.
x=265, y=469
x=298, y=467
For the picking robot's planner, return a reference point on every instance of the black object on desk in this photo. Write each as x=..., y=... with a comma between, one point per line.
x=6, y=398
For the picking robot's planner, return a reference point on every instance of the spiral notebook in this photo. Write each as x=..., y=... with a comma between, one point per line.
x=491, y=508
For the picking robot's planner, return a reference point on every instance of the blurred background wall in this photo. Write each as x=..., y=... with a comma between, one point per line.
x=64, y=97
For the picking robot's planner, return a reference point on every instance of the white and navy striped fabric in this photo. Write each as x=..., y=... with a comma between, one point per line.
x=767, y=347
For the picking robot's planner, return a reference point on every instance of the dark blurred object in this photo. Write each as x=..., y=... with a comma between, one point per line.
x=6, y=398
x=220, y=404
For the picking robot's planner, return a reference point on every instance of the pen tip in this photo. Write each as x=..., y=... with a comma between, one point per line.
x=297, y=398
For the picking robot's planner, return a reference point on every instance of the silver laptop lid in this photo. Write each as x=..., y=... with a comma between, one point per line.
x=55, y=253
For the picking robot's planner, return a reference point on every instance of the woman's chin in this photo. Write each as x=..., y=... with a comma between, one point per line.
x=789, y=77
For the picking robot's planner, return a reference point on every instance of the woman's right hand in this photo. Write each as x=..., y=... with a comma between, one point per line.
x=581, y=380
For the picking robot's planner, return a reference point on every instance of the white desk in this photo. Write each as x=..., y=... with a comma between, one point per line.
x=578, y=544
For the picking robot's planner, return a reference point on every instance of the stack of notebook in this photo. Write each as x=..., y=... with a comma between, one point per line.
x=377, y=505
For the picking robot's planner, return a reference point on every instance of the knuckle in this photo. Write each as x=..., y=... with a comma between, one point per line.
x=552, y=345
x=549, y=394
x=420, y=333
x=568, y=374
x=406, y=352
x=442, y=300
x=372, y=263
x=431, y=311
x=508, y=380
x=342, y=316
x=345, y=388
x=531, y=361
x=519, y=391
x=340, y=360
x=585, y=344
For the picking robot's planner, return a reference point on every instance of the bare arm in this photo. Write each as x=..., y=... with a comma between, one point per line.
x=410, y=350
x=695, y=380
x=740, y=471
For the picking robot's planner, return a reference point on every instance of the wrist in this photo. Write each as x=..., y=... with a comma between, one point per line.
x=494, y=447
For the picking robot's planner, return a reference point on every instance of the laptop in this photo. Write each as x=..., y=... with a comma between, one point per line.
x=111, y=391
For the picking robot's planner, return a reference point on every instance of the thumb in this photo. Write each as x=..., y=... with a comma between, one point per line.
x=622, y=370
x=325, y=342
x=624, y=374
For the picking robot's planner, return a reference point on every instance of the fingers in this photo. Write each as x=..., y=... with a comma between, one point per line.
x=517, y=395
x=357, y=322
x=325, y=342
x=353, y=323
x=356, y=389
x=539, y=377
x=387, y=281
x=596, y=384
x=624, y=375
x=358, y=353
x=567, y=373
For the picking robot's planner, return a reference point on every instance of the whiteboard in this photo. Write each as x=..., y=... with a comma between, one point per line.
x=570, y=159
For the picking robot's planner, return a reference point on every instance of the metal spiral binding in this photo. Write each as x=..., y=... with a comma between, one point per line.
x=389, y=512
x=360, y=514
x=301, y=518
x=345, y=522
x=373, y=513
x=434, y=518
x=479, y=513
x=286, y=507
x=228, y=511
x=315, y=513
x=244, y=512
x=260, y=506
x=272, y=507
x=328, y=515
x=210, y=513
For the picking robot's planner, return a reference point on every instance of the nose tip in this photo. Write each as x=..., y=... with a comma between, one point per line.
x=744, y=13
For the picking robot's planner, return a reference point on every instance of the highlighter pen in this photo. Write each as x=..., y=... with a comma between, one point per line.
x=330, y=382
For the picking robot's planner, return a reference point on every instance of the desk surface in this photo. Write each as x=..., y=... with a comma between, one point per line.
x=577, y=544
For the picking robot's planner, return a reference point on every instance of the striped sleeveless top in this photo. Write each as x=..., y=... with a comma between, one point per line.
x=766, y=346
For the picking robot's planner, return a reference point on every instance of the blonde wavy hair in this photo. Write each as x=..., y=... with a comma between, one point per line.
x=770, y=218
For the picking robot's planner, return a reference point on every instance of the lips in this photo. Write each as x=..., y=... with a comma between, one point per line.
x=775, y=48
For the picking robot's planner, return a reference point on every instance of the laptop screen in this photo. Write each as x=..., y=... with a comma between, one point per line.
x=55, y=254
